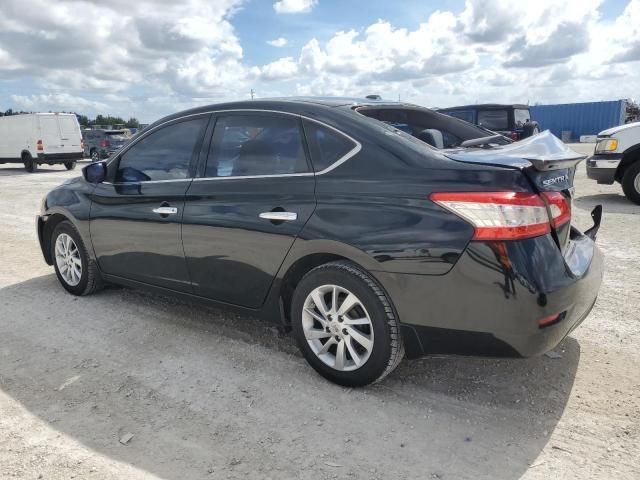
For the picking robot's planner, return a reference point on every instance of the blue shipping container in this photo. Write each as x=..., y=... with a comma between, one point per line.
x=579, y=118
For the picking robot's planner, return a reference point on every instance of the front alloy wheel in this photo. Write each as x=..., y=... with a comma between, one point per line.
x=77, y=273
x=68, y=259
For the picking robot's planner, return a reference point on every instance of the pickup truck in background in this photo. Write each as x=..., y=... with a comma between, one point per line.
x=616, y=158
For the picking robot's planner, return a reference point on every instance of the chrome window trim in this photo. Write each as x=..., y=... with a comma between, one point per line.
x=190, y=179
x=357, y=147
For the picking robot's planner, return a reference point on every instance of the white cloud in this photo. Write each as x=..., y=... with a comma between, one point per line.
x=283, y=68
x=294, y=6
x=153, y=57
x=278, y=42
x=56, y=102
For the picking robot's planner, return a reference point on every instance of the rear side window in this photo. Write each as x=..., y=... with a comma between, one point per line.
x=326, y=145
x=68, y=126
x=494, y=119
x=164, y=154
x=249, y=145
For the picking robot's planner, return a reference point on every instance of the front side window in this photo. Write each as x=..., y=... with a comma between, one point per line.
x=494, y=119
x=249, y=145
x=326, y=145
x=164, y=154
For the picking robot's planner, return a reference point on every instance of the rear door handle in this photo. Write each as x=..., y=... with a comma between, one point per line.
x=165, y=210
x=279, y=216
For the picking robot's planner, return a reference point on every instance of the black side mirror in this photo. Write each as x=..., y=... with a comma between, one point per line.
x=95, y=172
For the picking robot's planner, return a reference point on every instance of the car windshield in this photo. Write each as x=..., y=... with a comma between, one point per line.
x=494, y=119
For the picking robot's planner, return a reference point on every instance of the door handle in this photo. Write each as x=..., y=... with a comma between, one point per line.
x=279, y=216
x=165, y=210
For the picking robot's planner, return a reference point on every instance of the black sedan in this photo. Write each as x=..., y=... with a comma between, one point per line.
x=371, y=229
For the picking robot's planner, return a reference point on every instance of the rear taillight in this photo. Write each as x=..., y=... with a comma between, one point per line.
x=559, y=208
x=39, y=146
x=515, y=136
x=498, y=215
x=104, y=143
x=82, y=144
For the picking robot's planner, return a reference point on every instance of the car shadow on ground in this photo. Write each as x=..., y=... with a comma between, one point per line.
x=611, y=203
x=211, y=393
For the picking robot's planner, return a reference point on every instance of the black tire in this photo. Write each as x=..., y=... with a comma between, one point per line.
x=529, y=129
x=387, y=350
x=30, y=165
x=69, y=165
x=90, y=280
x=95, y=155
x=631, y=182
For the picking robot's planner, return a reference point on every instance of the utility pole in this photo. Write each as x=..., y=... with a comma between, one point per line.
x=252, y=93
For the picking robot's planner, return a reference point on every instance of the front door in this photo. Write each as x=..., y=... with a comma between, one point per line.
x=242, y=215
x=135, y=218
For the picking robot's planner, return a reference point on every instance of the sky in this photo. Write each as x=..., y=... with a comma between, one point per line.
x=150, y=58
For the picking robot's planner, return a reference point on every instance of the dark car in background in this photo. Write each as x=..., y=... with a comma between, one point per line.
x=513, y=121
x=102, y=143
x=361, y=237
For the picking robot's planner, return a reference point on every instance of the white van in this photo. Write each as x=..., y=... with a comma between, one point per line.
x=37, y=138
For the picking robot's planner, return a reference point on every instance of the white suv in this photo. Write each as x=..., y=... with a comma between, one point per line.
x=616, y=158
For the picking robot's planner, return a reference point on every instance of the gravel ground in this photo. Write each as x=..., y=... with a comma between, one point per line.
x=207, y=394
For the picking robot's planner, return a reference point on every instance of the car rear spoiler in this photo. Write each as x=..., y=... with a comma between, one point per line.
x=544, y=151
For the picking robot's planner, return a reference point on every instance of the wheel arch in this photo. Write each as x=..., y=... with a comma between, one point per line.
x=307, y=256
x=47, y=231
x=629, y=156
x=24, y=153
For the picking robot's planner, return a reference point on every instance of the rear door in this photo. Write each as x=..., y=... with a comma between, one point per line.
x=254, y=194
x=70, y=136
x=136, y=217
x=49, y=131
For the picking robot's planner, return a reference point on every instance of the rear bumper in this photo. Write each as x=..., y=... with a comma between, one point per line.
x=490, y=303
x=60, y=157
x=602, y=168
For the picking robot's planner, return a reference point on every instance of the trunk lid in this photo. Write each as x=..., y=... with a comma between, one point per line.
x=544, y=159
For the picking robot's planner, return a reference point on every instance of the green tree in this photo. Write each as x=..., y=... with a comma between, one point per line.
x=132, y=123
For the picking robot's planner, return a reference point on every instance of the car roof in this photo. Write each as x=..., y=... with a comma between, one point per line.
x=485, y=106
x=295, y=105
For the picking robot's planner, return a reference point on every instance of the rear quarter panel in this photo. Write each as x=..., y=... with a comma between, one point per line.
x=378, y=203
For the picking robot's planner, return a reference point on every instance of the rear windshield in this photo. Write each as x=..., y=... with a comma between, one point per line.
x=521, y=116
x=494, y=119
x=424, y=125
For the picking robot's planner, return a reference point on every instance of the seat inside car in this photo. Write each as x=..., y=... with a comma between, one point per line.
x=432, y=136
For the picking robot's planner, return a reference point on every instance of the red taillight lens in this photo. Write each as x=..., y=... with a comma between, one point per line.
x=498, y=215
x=515, y=136
x=104, y=143
x=559, y=208
x=82, y=144
x=39, y=146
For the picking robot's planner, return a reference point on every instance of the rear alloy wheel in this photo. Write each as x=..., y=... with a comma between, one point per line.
x=631, y=182
x=76, y=272
x=345, y=325
x=69, y=165
x=95, y=156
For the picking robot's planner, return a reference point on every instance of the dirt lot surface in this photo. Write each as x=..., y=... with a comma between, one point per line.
x=207, y=394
